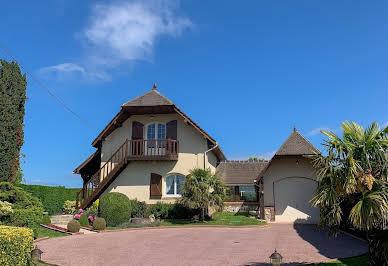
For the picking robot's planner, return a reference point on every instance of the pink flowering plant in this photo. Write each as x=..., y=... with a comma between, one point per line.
x=79, y=214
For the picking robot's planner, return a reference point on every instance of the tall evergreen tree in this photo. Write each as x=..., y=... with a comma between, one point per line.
x=12, y=98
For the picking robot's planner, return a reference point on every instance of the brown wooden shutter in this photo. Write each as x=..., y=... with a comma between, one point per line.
x=137, y=130
x=171, y=130
x=137, y=135
x=155, y=186
x=172, y=134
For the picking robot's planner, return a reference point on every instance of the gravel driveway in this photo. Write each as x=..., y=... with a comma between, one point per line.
x=201, y=246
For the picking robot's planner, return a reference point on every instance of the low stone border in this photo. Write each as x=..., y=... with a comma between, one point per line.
x=184, y=226
x=40, y=239
x=56, y=229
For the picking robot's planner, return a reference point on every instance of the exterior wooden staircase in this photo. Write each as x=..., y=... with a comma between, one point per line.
x=130, y=150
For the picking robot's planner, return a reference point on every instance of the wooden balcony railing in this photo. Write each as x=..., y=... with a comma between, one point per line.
x=158, y=149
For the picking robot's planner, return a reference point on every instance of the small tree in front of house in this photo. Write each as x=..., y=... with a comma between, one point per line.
x=202, y=189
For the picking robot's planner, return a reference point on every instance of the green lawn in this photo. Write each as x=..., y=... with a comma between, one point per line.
x=221, y=218
x=355, y=261
x=44, y=232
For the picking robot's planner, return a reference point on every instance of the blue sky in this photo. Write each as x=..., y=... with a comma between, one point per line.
x=245, y=71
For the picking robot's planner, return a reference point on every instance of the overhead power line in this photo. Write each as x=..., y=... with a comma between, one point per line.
x=56, y=98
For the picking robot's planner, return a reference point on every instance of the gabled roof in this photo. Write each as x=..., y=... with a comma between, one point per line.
x=240, y=172
x=296, y=144
x=152, y=102
x=151, y=98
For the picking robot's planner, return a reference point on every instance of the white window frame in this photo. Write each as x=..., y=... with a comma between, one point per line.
x=156, y=123
x=175, y=195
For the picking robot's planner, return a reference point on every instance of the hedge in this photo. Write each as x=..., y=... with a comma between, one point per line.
x=51, y=197
x=16, y=244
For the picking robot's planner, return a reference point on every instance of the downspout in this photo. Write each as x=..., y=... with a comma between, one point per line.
x=204, y=155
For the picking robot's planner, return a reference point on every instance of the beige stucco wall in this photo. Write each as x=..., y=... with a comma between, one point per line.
x=294, y=184
x=134, y=180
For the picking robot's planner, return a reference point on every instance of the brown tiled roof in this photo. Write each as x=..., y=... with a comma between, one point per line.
x=240, y=172
x=296, y=144
x=151, y=98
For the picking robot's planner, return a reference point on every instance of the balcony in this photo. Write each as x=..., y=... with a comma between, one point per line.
x=151, y=150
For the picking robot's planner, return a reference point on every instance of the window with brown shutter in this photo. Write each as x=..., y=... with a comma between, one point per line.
x=155, y=186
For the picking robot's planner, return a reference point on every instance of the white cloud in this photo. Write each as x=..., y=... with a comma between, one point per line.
x=127, y=31
x=71, y=69
x=120, y=33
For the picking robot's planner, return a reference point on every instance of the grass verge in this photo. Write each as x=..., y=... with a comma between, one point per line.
x=44, y=232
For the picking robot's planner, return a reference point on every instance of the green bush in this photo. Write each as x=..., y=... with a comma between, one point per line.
x=171, y=211
x=93, y=210
x=160, y=210
x=30, y=217
x=26, y=209
x=99, y=224
x=83, y=220
x=115, y=208
x=17, y=196
x=73, y=226
x=138, y=208
x=5, y=210
x=15, y=245
x=46, y=219
x=52, y=198
x=68, y=207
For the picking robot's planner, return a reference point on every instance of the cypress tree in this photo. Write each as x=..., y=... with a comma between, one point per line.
x=12, y=98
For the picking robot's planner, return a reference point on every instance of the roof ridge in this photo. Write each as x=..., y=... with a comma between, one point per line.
x=294, y=133
x=154, y=90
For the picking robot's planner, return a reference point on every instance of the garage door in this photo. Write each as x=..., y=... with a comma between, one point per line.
x=292, y=196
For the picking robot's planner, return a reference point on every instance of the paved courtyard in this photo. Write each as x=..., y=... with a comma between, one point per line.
x=201, y=246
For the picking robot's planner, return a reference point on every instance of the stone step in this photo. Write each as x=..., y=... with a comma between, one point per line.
x=61, y=219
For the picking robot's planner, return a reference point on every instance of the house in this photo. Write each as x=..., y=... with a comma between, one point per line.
x=145, y=152
x=150, y=146
x=287, y=182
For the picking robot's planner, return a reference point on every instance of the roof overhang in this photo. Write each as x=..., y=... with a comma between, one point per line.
x=90, y=164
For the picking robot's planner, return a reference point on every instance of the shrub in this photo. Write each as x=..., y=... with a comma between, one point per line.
x=17, y=196
x=171, y=211
x=73, y=226
x=180, y=211
x=30, y=217
x=138, y=208
x=5, y=209
x=68, y=207
x=46, y=219
x=16, y=245
x=115, y=208
x=93, y=210
x=99, y=224
x=83, y=220
x=160, y=210
x=52, y=198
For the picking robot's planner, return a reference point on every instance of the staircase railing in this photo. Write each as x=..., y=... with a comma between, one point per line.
x=130, y=149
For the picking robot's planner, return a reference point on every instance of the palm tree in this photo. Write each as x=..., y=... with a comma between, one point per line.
x=353, y=184
x=202, y=189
